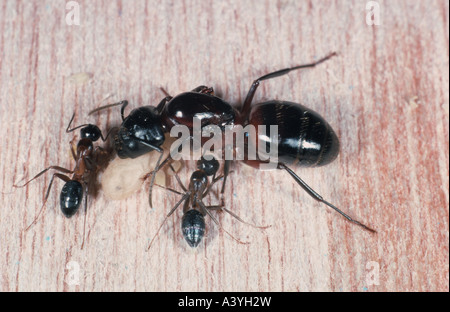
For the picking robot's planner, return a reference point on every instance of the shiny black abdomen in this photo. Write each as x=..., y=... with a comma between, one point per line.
x=304, y=137
x=193, y=227
x=71, y=197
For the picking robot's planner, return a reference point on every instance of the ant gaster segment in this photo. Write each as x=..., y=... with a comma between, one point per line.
x=86, y=158
x=304, y=137
x=194, y=210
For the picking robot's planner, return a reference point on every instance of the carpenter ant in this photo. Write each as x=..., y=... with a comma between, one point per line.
x=194, y=210
x=304, y=137
x=86, y=162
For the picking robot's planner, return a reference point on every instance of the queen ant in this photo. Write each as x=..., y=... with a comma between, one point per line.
x=304, y=137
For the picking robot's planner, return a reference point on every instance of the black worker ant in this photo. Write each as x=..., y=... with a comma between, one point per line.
x=304, y=137
x=87, y=159
x=194, y=209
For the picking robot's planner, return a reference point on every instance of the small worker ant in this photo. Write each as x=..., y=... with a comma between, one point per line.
x=194, y=209
x=86, y=162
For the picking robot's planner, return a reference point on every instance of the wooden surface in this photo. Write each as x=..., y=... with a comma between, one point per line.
x=386, y=95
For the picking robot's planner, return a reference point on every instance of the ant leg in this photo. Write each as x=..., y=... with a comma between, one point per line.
x=185, y=197
x=109, y=132
x=178, y=178
x=165, y=92
x=58, y=175
x=163, y=163
x=124, y=103
x=222, y=207
x=226, y=171
x=85, y=214
x=245, y=222
x=74, y=155
x=169, y=158
x=44, y=171
x=143, y=142
x=163, y=102
x=204, y=90
x=152, y=181
x=215, y=180
x=245, y=111
x=211, y=184
x=319, y=198
x=153, y=173
x=205, y=209
x=169, y=189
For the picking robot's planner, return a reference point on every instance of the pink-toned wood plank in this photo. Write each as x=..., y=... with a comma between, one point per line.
x=386, y=95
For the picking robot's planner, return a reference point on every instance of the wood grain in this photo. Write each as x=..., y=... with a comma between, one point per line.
x=386, y=95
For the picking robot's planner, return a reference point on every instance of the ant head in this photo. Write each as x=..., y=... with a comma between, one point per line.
x=140, y=132
x=88, y=131
x=91, y=132
x=209, y=166
x=193, y=227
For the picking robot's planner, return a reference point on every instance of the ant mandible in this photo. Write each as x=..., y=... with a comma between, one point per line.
x=86, y=162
